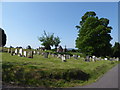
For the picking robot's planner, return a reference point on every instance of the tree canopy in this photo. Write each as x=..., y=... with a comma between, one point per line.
x=116, y=50
x=94, y=35
x=2, y=38
x=49, y=40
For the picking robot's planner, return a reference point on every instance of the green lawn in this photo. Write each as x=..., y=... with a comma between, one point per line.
x=51, y=72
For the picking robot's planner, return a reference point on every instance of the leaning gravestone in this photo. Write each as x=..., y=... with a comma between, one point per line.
x=46, y=55
x=30, y=54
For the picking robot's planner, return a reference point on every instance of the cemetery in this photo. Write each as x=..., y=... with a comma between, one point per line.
x=92, y=56
x=36, y=67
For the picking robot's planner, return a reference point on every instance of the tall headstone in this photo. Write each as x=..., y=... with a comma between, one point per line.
x=63, y=58
x=25, y=53
x=21, y=51
x=16, y=51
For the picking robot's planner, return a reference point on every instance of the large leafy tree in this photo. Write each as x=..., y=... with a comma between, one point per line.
x=2, y=38
x=49, y=40
x=56, y=41
x=116, y=50
x=94, y=35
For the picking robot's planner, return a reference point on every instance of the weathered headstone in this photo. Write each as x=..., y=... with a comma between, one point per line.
x=38, y=52
x=46, y=55
x=87, y=59
x=75, y=56
x=67, y=56
x=30, y=54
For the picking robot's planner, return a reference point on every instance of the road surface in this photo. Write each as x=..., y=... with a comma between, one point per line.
x=109, y=80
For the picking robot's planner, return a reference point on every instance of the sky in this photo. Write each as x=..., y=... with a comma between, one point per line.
x=24, y=22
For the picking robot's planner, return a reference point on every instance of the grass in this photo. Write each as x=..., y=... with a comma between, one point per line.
x=51, y=72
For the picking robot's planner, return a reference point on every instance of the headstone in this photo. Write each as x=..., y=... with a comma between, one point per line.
x=30, y=54
x=93, y=58
x=46, y=55
x=16, y=51
x=75, y=56
x=117, y=59
x=21, y=51
x=105, y=59
x=8, y=50
x=63, y=58
x=67, y=56
x=11, y=51
x=25, y=53
x=59, y=56
x=87, y=59
x=34, y=52
x=38, y=52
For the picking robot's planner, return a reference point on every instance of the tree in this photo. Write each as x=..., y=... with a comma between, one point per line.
x=28, y=47
x=94, y=35
x=49, y=40
x=56, y=41
x=116, y=50
x=2, y=38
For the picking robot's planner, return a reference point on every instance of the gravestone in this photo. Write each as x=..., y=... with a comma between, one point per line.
x=59, y=56
x=105, y=59
x=46, y=55
x=87, y=59
x=25, y=53
x=34, y=52
x=67, y=56
x=30, y=54
x=16, y=51
x=75, y=56
x=117, y=59
x=38, y=52
x=8, y=50
x=93, y=58
x=21, y=51
x=11, y=52
x=63, y=58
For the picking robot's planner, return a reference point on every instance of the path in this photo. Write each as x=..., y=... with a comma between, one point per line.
x=109, y=80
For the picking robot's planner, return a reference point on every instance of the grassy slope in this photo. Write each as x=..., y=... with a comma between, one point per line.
x=95, y=69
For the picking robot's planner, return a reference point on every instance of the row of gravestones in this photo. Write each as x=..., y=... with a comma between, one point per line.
x=94, y=59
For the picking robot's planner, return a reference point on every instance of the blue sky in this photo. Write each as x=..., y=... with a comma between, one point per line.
x=23, y=22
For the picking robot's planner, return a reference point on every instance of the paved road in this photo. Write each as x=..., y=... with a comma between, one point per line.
x=109, y=80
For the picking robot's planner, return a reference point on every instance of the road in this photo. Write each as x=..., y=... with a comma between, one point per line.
x=109, y=80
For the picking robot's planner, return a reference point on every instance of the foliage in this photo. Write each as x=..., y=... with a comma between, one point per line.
x=94, y=35
x=56, y=41
x=28, y=47
x=2, y=38
x=49, y=40
x=116, y=50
